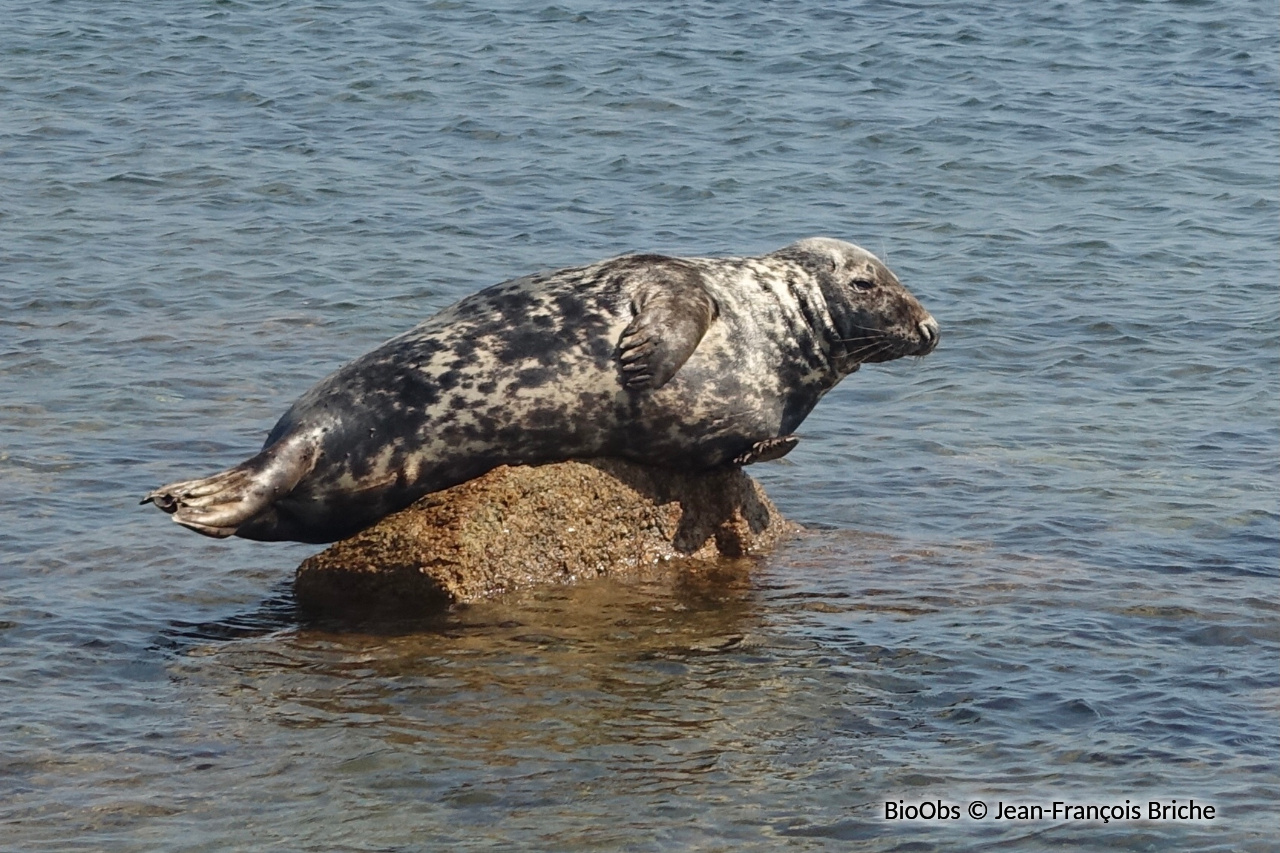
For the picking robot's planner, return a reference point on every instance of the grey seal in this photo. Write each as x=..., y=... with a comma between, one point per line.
x=686, y=363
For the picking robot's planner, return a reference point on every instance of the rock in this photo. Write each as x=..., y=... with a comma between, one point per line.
x=549, y=524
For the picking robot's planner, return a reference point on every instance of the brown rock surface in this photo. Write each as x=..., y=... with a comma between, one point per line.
x=521, y=526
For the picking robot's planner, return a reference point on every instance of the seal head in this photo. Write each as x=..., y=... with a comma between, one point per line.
x=872, y=319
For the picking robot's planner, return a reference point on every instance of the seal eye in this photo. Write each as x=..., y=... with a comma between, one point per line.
x=862, y=284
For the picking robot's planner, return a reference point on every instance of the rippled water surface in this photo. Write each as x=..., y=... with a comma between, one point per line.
x=1042, y=562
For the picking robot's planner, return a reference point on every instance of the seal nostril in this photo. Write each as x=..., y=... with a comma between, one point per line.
x=929, y=334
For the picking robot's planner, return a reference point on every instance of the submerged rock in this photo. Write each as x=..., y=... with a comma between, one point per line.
x=522, y=526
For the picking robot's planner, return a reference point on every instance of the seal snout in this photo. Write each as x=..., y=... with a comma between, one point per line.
x=929, y=335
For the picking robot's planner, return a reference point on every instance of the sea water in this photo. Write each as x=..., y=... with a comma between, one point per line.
x=1041, y=563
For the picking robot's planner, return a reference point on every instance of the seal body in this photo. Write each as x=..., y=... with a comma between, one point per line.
x=678, y=362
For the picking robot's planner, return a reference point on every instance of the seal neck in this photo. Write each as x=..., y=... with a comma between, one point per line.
x=815, y=295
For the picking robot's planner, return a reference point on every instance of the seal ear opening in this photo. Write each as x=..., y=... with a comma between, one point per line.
x=221, y=504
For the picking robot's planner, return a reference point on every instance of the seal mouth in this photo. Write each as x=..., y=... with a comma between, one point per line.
x=885, y=346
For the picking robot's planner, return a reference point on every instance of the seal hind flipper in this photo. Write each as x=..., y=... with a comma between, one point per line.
x=768, y=450
x=672, y=313
x=221, y=504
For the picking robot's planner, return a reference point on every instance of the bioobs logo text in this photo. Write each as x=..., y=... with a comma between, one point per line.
x=1057, y=810
x=928, y=810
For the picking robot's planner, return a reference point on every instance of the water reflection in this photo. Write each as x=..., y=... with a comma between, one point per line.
x=612, y=699
x=582, y=656
x=784, y=698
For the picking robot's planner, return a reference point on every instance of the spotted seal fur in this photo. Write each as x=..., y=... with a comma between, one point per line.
x=679, y=362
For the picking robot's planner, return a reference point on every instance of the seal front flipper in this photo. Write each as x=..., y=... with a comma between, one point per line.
x=672, y=313
x=768, y=450
x=219, y=505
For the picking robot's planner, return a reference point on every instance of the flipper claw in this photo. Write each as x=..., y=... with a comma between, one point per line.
x=768, y=450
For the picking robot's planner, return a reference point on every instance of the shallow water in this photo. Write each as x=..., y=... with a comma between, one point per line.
x=1042, y=561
